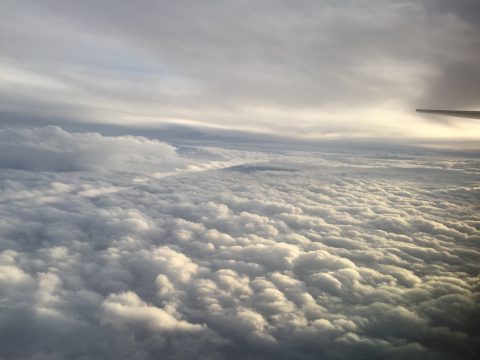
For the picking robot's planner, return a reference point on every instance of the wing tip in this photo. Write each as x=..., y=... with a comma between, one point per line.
x=458, y=113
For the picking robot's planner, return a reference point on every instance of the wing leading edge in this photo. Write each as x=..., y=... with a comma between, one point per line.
x=457, y=113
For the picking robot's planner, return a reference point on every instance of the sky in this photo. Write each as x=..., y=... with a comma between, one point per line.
x=308, y=69
x=239, y=180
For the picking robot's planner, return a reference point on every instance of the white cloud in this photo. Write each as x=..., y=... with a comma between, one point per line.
x=332, y=259
x=52, y=148
x=127, y=309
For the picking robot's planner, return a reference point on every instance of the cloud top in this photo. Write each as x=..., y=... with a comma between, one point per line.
x=344, y=257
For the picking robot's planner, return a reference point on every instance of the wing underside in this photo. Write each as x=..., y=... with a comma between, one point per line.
x=457, y=113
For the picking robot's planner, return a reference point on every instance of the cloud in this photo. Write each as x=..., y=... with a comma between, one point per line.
x=127, y=309
x=372, y=258
x=457, y=75
x=53, y=149
x=319, y=68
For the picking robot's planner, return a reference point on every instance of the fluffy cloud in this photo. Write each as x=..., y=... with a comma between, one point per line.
x=53, y=149
x=127, y=310
x=335, y=258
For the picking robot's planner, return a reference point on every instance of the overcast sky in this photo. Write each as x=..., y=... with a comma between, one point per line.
x=239, y=180
x=305, y=68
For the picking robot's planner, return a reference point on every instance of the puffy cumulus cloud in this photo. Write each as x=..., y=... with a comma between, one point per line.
x=366, y=257
x=53, y=149
x=127, y=310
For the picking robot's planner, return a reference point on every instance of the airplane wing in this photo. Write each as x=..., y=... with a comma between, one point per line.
x=457, y=113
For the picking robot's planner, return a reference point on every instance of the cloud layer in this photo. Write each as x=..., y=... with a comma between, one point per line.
x=305, y=256
x=53, y=149
x=345, y=69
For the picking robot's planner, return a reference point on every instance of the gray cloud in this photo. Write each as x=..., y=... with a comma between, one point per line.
x=370, y=257
x=263, y=66
x=457, y=79
x=54, y=149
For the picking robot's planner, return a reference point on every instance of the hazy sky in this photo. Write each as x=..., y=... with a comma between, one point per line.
x=307, y=68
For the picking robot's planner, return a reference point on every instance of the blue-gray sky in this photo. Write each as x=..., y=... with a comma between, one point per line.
x=306, y=68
